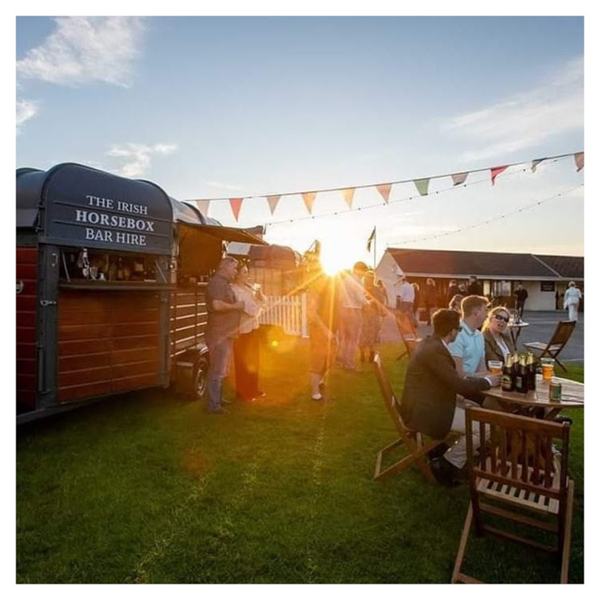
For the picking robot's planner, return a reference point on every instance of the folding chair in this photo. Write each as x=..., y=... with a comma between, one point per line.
x=412, y=440
x=517, y=469
x=557, y=342
x=407, y=332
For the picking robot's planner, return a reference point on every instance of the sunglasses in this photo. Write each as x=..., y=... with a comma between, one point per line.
x=501, y=318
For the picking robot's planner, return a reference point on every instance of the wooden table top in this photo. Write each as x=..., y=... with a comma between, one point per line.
x=572, y=395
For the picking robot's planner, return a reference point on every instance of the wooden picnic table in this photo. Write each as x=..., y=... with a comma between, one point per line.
x=526, y=404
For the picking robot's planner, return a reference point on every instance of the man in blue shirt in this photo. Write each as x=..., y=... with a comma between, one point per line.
x=468, y=350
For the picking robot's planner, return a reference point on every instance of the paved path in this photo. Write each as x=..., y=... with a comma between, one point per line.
x=541, y=327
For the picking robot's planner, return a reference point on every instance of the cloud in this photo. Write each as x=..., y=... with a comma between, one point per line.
x=26, y=109
x=226, y=186
x=138, y=157
x=526, y=119
x=85, y=50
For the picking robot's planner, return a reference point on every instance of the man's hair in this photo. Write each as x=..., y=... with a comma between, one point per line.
x=444, y=321
x=360, y=266
x=225, y=261
x=471, y=303
x=473, y=277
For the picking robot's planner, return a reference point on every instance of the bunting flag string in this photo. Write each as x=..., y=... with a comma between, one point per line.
x=384, y=189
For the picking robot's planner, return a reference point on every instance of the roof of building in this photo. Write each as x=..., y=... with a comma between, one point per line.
x=486, y=265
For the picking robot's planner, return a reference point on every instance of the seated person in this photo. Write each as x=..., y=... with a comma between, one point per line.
x=468, y=350
x=498, y=344
x=429, y=400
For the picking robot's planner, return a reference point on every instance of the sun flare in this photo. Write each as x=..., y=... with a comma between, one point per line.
x=337, y=257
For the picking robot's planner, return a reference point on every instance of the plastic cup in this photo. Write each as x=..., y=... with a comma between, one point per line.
x=547, y=368
x=495, y=367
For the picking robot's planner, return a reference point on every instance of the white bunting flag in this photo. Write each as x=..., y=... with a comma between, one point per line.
x=459, y=178
x=203, y=206
x=535, y=163
x=273, y=202
x=348, y=196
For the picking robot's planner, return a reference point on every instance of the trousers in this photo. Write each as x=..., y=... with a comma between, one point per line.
x=219, y=351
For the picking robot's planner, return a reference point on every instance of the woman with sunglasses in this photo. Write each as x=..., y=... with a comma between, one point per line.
x=498, y=343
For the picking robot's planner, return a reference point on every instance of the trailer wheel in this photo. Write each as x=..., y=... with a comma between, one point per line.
x=201, y=378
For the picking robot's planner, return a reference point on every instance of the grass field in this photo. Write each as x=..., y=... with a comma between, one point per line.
x=148, y=488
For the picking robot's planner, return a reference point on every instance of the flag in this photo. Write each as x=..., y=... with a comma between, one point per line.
x=495, y=171
x=236, y=205
x=273, y=201
x=535, y=163
x=348, y=196
x=385, y=190
x=579, y=161
x=203, y=206
x=459, y=178
x=309, y=200
x=422, y=186
x=371, y=238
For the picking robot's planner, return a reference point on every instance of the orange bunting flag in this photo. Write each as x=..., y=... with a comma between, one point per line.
x=495, y=171
x=579, y=161
x=273, y=202
x=348, y=196
x=385, y=190
x=202, y=206
x=236, y=205
x=459, y=178
x=535, y=163
x=422, y=186
x=309, y=200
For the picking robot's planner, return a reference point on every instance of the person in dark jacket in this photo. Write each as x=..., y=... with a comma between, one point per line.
x=452, y=291
x=474, y=288
x=429, y=401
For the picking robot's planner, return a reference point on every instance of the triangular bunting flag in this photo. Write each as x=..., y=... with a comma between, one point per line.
x=459, y=178
x=273, y=201
x=309, y=200
x=236, y=205
x=422, y=186
x=579, y=161
x=535, y=163
x=495, y=171
x=385, y=190
x=348, y=196
x=202, y=206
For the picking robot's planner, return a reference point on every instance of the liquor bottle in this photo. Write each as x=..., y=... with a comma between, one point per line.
x=531, y=371
x=508, y=382
x=120, y=273
x=521, y=376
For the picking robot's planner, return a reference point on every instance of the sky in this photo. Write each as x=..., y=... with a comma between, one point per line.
x=210, y=107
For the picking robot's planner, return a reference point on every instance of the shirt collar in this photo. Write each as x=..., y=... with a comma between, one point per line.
x=467, y=329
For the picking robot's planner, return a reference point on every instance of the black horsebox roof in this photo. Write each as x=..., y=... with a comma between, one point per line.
x=76, y=205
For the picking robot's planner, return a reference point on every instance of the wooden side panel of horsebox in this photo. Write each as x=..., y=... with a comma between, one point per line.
x=26, y=327
x=108, y=342
x=188, y=318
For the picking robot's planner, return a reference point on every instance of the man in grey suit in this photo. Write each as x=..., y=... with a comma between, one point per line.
x=429, y=402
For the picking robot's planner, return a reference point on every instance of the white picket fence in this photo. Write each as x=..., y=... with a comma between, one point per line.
x=289, y=312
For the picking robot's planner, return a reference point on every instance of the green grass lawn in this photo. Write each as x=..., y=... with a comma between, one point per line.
x=148, y=488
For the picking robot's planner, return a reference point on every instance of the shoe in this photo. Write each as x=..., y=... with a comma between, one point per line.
x=318, y=398
x=217, y=411
x=260, y=394
x=445, y=473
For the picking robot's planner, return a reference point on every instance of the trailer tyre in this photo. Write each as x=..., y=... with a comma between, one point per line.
x=200, y=388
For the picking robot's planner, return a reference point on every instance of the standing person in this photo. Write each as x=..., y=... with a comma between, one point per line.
x=322, y=310
x=371, y=318
x=223, y=322
x=429, y=400
x=474, y=288
x=452, y=291
x=430, y=299
x=405, y=298
x=352, y=300
x=521, y=295
x=572, y=299
x=462, y=289
x=246, y=346
x=417, y=302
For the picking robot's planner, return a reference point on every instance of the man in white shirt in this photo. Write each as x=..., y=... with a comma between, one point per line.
x=405, y=298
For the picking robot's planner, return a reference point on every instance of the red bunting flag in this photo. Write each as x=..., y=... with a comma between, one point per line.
x=348, y=196
x=385, y=190
x=579, y=161
x=422, y=186
x=459, y=178
x=236, y=205
x=495, y=171
x=273, y=202
x=203, y=206
x=309, y=200
x=535, y=163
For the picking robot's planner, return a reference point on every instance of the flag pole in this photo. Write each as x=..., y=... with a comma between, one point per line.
x=375, y=249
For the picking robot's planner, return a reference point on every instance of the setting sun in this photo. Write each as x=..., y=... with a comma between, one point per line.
x=337, y=256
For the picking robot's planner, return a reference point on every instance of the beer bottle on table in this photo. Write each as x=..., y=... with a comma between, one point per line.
x=508, y=383
x=521, y=377
x=530, y=371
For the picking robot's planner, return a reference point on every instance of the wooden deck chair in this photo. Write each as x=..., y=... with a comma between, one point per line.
x=557, y=342
x=518, y=469
x=412, y=440
x=407, y=332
